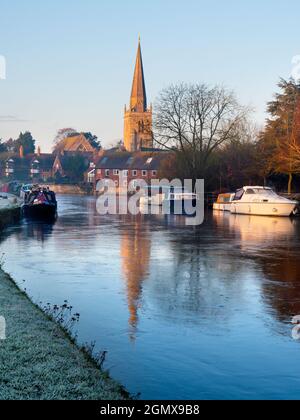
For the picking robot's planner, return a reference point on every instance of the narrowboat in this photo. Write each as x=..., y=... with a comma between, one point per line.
x=40, y=203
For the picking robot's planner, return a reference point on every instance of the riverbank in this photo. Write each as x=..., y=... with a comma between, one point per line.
x=65, y=189
x=40, y=361
x=9, y=215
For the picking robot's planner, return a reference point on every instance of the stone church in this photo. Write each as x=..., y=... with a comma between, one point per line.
x=138, y=118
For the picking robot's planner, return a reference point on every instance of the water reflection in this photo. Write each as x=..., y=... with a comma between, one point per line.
x=208, y=308
x=273, y=243
x=30, y=230
x=38, y=231
x=198, y=279
x=135, y=254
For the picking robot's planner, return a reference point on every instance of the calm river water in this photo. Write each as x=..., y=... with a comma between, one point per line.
x=185, y=313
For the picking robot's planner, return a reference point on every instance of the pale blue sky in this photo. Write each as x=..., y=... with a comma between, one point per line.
x=70, y=62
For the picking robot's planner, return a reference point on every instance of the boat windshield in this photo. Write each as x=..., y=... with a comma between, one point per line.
x=238, y=195
x=260, y=191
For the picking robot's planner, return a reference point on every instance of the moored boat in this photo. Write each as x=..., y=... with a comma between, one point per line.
x=154, y=196
x=262, y=201
x=25, y=189
x=173, y=200
x=40, y=204
x=223, y=202
x=10, y=209
x=9, y=200
x=181, y=203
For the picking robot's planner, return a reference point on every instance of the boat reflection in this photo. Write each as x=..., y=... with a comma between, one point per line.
x=31, y=230
x=40, y=231
x=273, y=244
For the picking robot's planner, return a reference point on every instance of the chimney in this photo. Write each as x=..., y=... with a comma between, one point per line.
x=21, y=152
x=39, y=151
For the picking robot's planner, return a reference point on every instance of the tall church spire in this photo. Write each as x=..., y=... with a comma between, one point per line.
x=138, y=119
x=138, y=100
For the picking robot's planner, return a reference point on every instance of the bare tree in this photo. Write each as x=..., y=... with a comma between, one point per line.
x=194, y=121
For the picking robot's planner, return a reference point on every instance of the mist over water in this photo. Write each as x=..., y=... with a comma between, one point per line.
x=184, y=312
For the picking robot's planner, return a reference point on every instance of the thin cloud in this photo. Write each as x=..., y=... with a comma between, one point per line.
x=10, y=118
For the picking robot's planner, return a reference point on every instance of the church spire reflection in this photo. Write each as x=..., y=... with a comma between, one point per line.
x=135, y=254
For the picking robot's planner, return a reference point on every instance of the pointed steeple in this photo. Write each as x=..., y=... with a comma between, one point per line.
x=138, y=100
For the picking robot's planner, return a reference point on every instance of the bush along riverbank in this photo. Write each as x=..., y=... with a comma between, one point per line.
x=39, y=358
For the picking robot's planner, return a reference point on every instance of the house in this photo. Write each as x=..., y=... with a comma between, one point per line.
x=17, y=167
x=41, y=166
x=71, y=164
x=124, y=167
x=75, y=144
x=32, y=167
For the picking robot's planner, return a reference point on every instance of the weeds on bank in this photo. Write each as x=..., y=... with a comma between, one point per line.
x=63, y=316
x=67, y=320
x=98, y=357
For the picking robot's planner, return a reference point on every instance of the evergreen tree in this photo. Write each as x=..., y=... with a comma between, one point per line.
x=3, y=147
x=93, y=140
x=282, y=132
x=26, y=140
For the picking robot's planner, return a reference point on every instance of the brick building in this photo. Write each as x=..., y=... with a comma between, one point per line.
x=35, y=167
x=125, y=167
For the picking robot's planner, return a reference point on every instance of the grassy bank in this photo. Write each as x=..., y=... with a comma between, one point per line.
x=39, y=361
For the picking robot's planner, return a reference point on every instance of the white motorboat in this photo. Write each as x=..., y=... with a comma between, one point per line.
x=181, y=203
x=173, y=200
x=153, y=196
x=223, y=202
x=262, y=201
x=156, y=196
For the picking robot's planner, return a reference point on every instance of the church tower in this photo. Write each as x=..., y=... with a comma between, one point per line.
x=138, y=119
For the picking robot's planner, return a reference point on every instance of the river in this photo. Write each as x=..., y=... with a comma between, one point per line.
x=184, y=312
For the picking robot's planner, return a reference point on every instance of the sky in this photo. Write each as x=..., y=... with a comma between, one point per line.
x=69, y=63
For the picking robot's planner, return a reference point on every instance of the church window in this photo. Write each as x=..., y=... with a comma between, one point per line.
x=141, y=126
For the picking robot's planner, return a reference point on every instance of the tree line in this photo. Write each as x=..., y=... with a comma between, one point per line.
x=212, y=136
x=25, y=140
x=74, y=164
